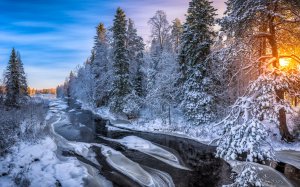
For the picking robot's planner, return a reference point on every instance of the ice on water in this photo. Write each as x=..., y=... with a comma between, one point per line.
x=153, y=178
x=147, y=147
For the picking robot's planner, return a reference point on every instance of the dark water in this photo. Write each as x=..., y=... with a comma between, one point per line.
x=206, y=170
x=291, y=172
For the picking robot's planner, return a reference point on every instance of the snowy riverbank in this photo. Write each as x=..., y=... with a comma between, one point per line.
x=284, y=152
x=207, y=134
x=36, y=163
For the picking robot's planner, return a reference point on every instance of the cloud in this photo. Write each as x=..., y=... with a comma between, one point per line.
x=55, y=36
x=37, y=24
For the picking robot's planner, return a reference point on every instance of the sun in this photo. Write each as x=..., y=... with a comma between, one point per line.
x=284, y=62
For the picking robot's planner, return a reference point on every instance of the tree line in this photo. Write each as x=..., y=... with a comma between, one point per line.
x=231, y=78
x=128, y=78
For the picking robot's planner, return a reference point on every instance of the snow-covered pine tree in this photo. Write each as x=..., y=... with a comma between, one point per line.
x=101, y=67
x=135, y=47
x=12, y=81
x=196, y=41
x=71, y=85
x=15, y=81
x=84, y=85
x=23, y=80
x=122, y=85
x=264, y=26
x=272, y=24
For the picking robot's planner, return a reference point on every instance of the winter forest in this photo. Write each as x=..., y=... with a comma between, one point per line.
x=211, y=100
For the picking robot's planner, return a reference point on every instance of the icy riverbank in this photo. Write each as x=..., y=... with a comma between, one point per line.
x=205, y=135
x=40, y=163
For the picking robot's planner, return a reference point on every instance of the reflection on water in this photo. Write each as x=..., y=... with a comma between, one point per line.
x=292, y=173
x=206, y=170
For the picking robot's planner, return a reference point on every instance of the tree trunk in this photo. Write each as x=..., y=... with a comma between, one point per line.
x=283, y=129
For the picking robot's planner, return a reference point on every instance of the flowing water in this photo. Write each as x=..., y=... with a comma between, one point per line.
x=134, y=158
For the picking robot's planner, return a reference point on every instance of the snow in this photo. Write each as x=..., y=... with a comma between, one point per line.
x=84, y=150
x=116, y=159
x=153, y=178
x=275, y=138
x=267, y=175
x=39, y=163
x=206, y=134
x=126, y=166
x=139, y=144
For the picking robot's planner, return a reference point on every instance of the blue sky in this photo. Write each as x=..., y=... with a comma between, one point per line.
x=54, y=36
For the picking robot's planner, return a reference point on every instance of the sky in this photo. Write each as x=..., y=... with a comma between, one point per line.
x=55, y=36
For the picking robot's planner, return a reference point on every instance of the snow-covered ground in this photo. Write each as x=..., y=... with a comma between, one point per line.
x=179, y=127
x=266, y=175
x=284, y=152
x=40, y=163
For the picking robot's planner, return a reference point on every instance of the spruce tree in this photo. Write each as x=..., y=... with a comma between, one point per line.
x=121, y=86
x=196, y=42
x=264, y=29
x=23, y=80
x=100, y=67
x=273, y=25
x=135, y=48
x=15, y=81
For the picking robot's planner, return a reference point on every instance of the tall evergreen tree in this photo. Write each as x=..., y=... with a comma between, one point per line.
x=274, y=24
x=15, y=81
x=196, y=42
x=101, y=67
x=122, y=85
x=23, y=80
x=135, y=46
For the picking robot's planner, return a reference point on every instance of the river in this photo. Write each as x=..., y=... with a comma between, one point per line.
x=134, y=158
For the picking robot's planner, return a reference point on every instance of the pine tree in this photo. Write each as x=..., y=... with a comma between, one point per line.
x=272, y=25
x=196, y=42
x=100, y=67
x=122, y=85
x=15, y=81
x=71, y=81
x=135, y=48
x=23, y=80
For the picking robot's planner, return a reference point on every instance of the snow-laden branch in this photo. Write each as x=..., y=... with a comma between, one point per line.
x=245, y=126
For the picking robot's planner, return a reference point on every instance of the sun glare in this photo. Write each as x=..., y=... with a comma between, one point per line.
x=284, y=62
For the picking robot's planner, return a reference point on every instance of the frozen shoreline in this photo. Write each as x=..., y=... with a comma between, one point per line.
x=156, y=126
